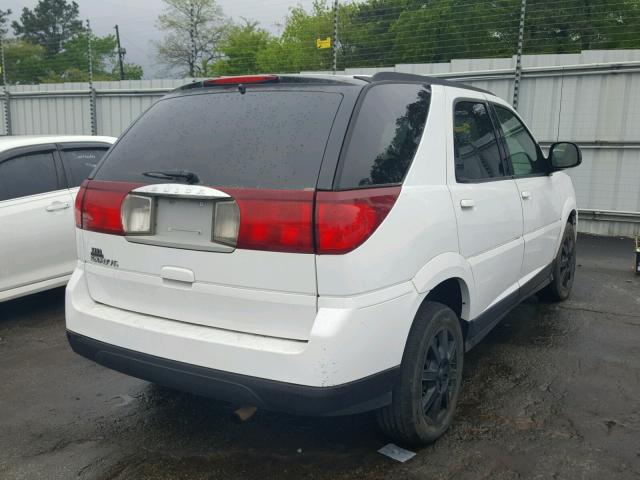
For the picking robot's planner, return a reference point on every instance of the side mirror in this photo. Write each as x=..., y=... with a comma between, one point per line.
x=564, y=155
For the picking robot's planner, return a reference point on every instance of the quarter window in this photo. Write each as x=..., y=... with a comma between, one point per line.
x=385, y=135
x=523, y=151
x=27, y=175
x=79, y=163
x=476, y=152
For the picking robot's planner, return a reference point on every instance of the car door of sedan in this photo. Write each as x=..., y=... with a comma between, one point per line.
x=37, y=240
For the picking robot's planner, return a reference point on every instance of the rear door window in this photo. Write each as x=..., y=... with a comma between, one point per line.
x=270, y=139
x=27, y=174
x=524, y=154
x=79, y=163
x=476, y=152
x=385, y=136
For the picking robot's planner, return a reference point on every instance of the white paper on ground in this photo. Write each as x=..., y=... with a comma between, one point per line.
x=397, y=453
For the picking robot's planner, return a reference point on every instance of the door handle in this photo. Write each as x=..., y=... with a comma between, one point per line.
x=467, y=203
x=54, y=206
x=525, y=195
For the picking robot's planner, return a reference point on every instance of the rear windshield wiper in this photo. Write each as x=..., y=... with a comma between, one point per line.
x=190, y=177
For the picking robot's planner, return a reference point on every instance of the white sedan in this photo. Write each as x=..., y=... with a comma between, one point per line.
x=39, y=179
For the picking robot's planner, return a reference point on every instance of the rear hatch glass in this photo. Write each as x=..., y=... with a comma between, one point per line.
x=260, y=139
x=267, y=140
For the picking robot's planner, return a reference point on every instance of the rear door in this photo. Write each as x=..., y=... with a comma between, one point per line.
x=486, y=201
x=541, y=203
x=262, y=147
x=36, y=219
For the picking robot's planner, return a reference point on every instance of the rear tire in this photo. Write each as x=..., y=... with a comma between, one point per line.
x=564, y=268
x=426, y=393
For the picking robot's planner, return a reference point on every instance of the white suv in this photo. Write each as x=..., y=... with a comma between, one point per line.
x=319, y=245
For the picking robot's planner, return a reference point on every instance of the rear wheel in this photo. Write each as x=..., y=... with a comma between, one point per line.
x=425, y=396
x=564, y=268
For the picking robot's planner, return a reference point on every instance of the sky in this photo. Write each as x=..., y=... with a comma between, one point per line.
x=136, y=21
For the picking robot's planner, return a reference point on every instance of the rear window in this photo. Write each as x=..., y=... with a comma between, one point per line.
x=385, y=135
x=260, y=139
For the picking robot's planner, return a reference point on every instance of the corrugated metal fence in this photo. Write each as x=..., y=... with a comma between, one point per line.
x=592, y=98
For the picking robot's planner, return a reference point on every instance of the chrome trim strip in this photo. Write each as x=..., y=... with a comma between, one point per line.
x=181, y=190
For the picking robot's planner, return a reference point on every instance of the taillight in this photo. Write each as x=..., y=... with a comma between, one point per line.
x=344, y=220
x=275, y=220
x=294, y=221
x=100, y=206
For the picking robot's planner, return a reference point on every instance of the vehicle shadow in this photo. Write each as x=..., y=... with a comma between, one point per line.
x=33, y=309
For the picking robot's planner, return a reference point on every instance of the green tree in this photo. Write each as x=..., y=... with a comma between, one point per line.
x=25, y=62
x=366, y=33
x=131, y=72
x=4, y=18
x=50, y=24
x=446, y=29
x=239, y=49
x=72, y=63
x=296, y=48
x=569, y=26
x=192, y=30
x=30, y=63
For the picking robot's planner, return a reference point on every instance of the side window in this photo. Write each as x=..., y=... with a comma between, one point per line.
x=385, y=135
x=27, y=175
x=477, y=156
x=522, y=149
x=79, y=163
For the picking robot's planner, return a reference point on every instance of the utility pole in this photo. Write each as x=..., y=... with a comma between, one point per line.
x=121, y=54
x=335, y=36
x=518, y=75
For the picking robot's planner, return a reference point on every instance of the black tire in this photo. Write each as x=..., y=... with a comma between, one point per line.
x=564, y=268
x=430, y=375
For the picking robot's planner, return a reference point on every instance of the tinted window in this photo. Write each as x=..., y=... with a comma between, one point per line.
x=476, y=150
x=27, y=175
x=522, y=149
x=385, y=135
x=79, y=163
x=262, y=139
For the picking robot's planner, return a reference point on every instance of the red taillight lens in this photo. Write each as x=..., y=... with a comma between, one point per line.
x=275, y=220
x=344, y=220
x=271, y=220
x=241, y=79
x=100, y=206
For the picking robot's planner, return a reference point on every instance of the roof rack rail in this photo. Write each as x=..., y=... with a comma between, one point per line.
x=411, y=77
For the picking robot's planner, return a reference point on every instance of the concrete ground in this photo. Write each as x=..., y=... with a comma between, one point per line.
x=552, y=392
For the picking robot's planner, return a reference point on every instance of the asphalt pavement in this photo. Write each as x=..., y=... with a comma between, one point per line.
x=552, y=392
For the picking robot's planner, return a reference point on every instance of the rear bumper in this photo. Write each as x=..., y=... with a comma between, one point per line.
x=354, y=397
x=345, y=366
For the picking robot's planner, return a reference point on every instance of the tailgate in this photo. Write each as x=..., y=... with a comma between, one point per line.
x=266, y=293
x=261, y=148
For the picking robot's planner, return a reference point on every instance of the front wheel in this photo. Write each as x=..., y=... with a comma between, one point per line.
x=426, y=393
x=564, y=268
